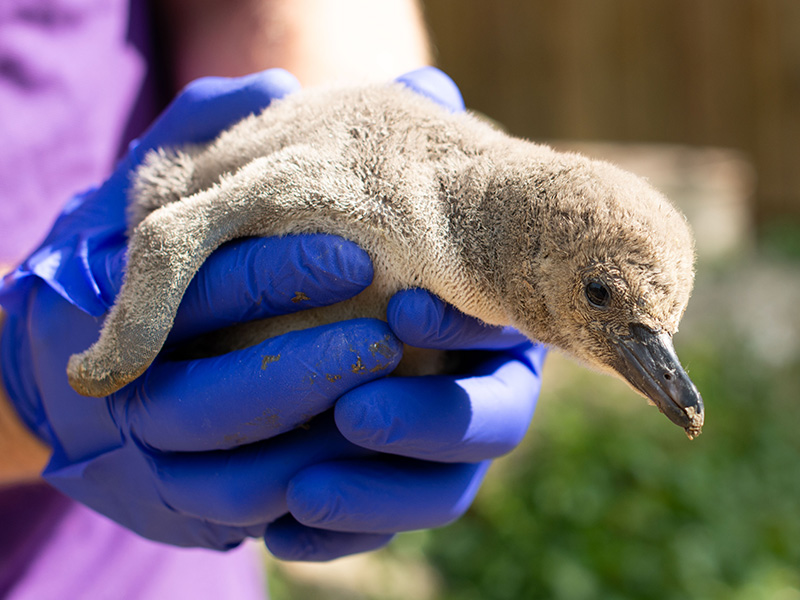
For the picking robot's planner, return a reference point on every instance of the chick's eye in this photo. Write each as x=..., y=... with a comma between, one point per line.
x=598, y=294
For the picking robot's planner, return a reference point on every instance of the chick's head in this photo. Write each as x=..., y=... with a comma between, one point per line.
x=615, y=272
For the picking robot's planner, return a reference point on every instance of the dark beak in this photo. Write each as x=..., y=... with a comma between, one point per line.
x=647, y=360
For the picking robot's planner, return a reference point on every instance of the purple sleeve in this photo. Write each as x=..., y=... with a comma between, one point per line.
x=73, y=78
x=75, y=86
x=62, y=549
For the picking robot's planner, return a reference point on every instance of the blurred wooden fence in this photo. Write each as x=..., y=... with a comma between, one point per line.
x=700, y=72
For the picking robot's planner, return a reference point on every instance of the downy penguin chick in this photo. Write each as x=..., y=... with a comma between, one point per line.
x=574, y=253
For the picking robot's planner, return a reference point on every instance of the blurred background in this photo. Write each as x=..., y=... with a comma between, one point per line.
x=606, y=499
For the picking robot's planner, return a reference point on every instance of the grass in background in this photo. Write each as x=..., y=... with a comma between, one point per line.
x=610, y=502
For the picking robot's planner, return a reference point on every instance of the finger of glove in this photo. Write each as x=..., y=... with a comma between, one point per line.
x=208, y=105
x=436, y=85
x=245, y=486
x=256, y=393
x=287, y=539
x=421, y=319
x=383, y=495
x=260, y=278
x=256, y=278
x=445, y=419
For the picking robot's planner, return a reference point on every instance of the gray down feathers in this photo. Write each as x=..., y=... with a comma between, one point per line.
x=504, y=229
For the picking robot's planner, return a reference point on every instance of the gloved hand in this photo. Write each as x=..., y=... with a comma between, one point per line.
x=206, y=453
x=441, y=430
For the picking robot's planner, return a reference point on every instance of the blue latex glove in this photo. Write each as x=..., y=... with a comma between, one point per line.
x=442, y=431
x=205, y=453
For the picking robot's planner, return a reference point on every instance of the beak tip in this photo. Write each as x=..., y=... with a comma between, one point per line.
x=696, y=418
x=692, y=432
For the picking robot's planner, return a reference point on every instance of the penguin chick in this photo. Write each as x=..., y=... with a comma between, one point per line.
x=574, y=253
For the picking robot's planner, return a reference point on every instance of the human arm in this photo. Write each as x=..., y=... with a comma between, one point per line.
x=318, y=40
x=23, y=454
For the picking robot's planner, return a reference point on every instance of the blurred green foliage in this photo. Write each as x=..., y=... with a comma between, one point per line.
x=609, y=501
x=781, y=239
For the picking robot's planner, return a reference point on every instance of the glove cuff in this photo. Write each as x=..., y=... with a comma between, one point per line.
x=62, y=261
x=21, y=390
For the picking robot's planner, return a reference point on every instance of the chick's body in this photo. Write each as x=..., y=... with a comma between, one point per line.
x=507, y=231
x=380, y=166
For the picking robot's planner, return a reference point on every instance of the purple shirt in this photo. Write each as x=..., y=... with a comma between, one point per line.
x=75, y=86
x=72, y=74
